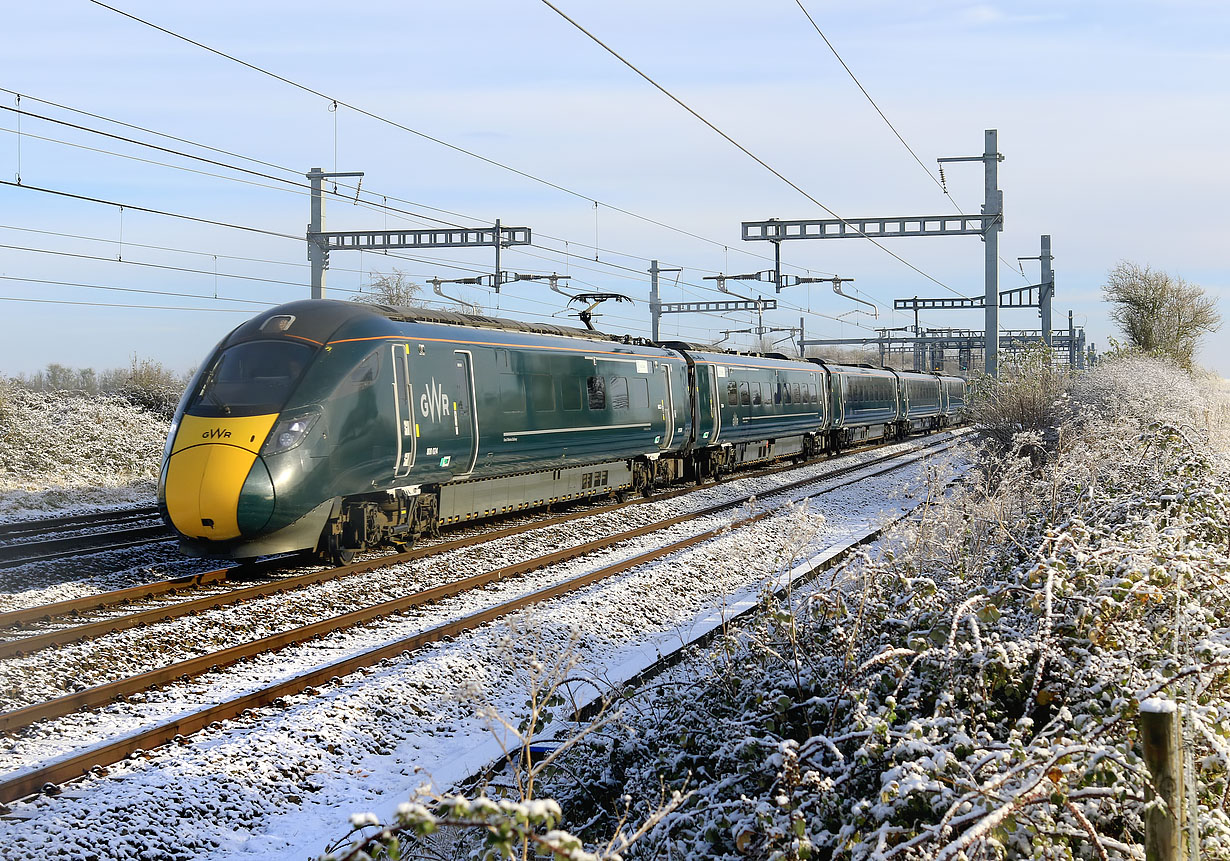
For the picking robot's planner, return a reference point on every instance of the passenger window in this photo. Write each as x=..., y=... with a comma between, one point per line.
x=786, y=394
x=619, y=393
x=732, y=393
x=512, y=396
x=745, y=397
x=542, y=393
x=570, y=393
x=756, y=399
x=798, y=398
x=596, y=387
x=638, y=393
x=777, y=394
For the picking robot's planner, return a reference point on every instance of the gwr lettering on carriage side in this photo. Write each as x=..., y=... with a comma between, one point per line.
x=434, y=402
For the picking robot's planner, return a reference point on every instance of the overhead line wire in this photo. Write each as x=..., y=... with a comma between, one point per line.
x=153, y=265
x=384, y=206
x=167, y=248
x=451, y=146
x=381, y=206
x=135, y=208
x=403, y=127
x=118, y=305
x=738, y=145
x=301, y=189
x=146, y=130
x=102, y=133
x=863, y=90
x=138, y=158
x=131, y=290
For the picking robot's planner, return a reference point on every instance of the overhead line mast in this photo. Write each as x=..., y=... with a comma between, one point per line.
x=987, y=225
x=320, y=242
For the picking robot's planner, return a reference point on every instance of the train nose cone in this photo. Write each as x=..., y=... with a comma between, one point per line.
x=213, y=464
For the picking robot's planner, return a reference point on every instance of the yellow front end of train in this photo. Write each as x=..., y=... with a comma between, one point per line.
x=211, y=460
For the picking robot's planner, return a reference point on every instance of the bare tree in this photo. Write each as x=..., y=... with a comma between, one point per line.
x=1160, y=314
x=391, y=288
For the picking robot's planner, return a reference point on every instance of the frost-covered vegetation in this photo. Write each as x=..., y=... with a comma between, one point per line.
x=61, y=449
x=971, y=689
x=145, y=383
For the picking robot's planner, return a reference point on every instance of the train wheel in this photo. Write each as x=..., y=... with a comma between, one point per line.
x=334, y=547
x=343, y=555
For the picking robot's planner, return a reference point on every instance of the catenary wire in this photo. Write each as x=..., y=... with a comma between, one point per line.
x=383, y=207
x=148, y=145
x=301, y=185
x=135, y=208
x=298, y=186
x=738, y=145
x=893, y=128
x=118, y=305
x=342, y=183
x=406, y=128
x=153, y=265
x=130, y=290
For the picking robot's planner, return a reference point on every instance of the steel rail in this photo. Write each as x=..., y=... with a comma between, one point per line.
x=105, y=693
x=77, y=765
x=13, y=555
x=47, y=612
x=19, y=646
x=100, y=518
x=598, y=705
x=102, y=600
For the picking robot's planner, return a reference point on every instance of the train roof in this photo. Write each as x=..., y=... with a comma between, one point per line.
x=326, y=320
x=480, y=321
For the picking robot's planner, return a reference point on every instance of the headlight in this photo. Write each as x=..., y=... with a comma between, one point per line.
x=171, y=432
x=289, y=432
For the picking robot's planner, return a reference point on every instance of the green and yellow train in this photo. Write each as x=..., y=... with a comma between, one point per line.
x=339, y=426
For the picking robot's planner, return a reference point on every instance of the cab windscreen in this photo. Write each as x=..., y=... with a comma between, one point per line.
x=250, y=379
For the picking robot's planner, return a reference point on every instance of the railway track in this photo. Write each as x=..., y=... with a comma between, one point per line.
x=42, y=526
x=68, y=627
x=25, y=542
x=75, y=765
x=53, y=549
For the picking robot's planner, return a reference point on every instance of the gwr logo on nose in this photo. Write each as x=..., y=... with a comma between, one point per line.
x=216, y=433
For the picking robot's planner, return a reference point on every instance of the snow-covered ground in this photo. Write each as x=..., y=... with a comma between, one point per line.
x=74, y=453
x=282, y=782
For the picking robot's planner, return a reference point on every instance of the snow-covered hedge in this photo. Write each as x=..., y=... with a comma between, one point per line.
x=58, y=449
x=971, y=691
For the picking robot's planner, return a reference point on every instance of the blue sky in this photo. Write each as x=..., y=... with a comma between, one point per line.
x=1112, y=118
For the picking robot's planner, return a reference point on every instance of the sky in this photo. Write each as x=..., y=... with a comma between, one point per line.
x=1111, y=117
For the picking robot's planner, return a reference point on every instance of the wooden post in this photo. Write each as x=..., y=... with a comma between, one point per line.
x=1159, y=733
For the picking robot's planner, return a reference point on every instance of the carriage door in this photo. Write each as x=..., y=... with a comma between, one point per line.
x=715, y=403
x=403, y=402
x=465, y=418
x=668, y=434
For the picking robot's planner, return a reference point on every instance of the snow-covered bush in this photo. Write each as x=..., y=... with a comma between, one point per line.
x=58, y=448
x=972, y=690
x=1027, y=397
x=145, y=383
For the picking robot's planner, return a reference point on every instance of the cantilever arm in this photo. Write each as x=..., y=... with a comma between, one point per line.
x=837, y=290
x=435, y=286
